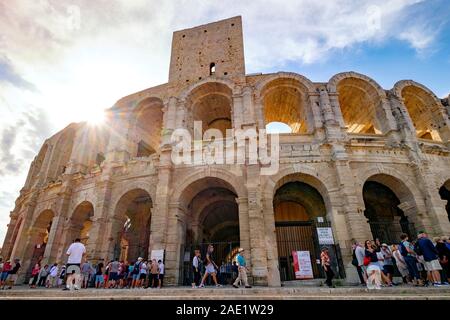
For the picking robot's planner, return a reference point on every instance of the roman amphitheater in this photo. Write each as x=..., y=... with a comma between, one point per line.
x=360, y=162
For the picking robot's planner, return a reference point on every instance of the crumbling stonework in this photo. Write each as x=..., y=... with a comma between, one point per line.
x=117, y=189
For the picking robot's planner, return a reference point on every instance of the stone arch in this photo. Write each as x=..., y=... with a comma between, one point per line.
x=228, y=83
x=131, y=224
x=80, y=221
x=147, y=125
x=119, y=193
x=236, y=183
x=425, y=110
x=212, y=104
x=363, y=102
x=444, y=193
x=284, y=98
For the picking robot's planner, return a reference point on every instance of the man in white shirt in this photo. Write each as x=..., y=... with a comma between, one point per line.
x=76, y=252
x=161, y=273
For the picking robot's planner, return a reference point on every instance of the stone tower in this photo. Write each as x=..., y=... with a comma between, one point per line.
x=212, y=49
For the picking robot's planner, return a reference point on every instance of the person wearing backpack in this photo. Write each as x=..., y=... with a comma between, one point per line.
x=373, y=267
x=431, y=257
x=136, y=273
x=409, y=255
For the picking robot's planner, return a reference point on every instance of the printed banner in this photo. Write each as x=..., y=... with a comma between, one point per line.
x=302, y=265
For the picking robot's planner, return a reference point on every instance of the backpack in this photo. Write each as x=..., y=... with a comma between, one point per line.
x=403, y=250
x=417, y=249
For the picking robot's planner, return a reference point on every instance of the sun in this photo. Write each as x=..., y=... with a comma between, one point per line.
x=96, y=117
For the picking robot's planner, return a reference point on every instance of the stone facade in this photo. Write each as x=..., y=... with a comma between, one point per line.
x=116, y=187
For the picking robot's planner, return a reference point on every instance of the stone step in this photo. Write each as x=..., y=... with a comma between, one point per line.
x=232, y=293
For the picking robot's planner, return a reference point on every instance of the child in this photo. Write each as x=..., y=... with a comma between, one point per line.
x=43, y=273
x=35, y=275
x=52, y=277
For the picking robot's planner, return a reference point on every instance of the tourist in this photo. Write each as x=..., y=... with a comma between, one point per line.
x=143, y=274
x=388, y=264
x=99, y=279
x=242, y=267
x=130, y=275
x=211, y=267
x=161, y=273
x=380, y=257
x=52, y=276
x=43, y=273
x=35, y=275
x=86, y=273
x=325, y=261
x=5, y=271
x=106, y=275
x=113, y=273
x=136, y=273
x=62, y=276
x=409, y=255
x=222, y=273
x=121, y=274
x=234, y=270
x=358, y=262
x=196, y=267
x=400, y=263
x=430, y=255
x=154, y=272
x=13, y=274
x=444, y=255
x=373, y=267
x=76, y=252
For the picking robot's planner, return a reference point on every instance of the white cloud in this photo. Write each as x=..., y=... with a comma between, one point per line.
x=84, y=55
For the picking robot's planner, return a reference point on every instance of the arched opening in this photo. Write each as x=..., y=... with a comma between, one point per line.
x=359, y=102
x=278, y=127
x=81, y=222
x=211, y=103
x=300, y=217
x=444, y=192
x=147, y=131
x=285, y=100
x=39, y=234
x=213, y=218
x=133, y=218
x=424, y=112
x=383, y=210
x=212, y=68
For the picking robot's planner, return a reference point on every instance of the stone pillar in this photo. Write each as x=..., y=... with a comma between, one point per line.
x=54, y=247
x=170, y=115
x=117, y=150
x=257, y=227
x=244, y=228
x=8, y=243
x=175, y=241
x=273, y=274
x=237, y=112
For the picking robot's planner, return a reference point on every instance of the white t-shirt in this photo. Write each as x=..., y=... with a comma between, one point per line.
x=161, y=268
x=75, y=252
x=54, y=271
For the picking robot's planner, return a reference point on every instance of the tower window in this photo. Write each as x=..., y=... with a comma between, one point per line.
x=212, y=68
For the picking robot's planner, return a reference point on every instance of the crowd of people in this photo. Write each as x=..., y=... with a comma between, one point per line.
x=422, y=262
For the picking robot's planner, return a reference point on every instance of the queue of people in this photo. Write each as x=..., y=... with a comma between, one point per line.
x=422, y=262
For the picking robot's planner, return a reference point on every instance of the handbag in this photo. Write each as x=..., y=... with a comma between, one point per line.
x=366, y=261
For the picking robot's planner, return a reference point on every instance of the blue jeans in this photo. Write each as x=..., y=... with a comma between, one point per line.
x=411, y=263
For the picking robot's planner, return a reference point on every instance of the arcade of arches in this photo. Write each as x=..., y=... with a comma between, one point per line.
x=148, y=137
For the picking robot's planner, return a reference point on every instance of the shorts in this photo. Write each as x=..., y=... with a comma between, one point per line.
x=3, y=276
x=85, y=276
x=12, y=278
x=372, y=267
x=433, y=265
x=142, y=276
x=210, y=269
x=113, y=276
x=99, y=278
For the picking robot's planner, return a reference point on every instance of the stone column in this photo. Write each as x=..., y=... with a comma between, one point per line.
x=8, y=243
x=175, y=241
x=54, y=248
x=257, y=227
x=273, y=275
x=170, y=115
x=244, y=228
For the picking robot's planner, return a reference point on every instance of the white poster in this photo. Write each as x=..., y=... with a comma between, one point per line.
x=303, y=266
x=325, y=235
x=157, y=255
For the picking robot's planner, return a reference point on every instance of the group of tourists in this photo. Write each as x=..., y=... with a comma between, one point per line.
x=422, y=262
x=78, y=274
x=203, y=269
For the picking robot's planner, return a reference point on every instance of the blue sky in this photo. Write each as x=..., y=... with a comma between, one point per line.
x=66, y=61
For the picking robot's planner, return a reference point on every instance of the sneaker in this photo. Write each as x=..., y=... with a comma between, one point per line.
x=65, y=289
x=235, y=286
x=437, y=284
x=445, y=283
x=218, y=285
x=201, y=286
x=248, y=287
